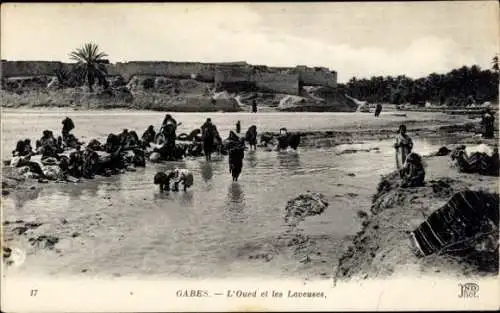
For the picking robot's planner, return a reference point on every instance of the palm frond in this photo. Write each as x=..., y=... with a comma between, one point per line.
x=89, y=63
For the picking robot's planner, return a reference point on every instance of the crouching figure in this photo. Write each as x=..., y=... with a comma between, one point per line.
x=183, y=176
x=178, y=176
x=413, y=173
x=163, y=180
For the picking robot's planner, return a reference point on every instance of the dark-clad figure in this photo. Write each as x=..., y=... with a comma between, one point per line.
x=209, y=135
x=378, y=109
x=168, y=120
x=123, y=137
x=236, y=149
x=488, y=123
x=283, y=139
x=68, y=126
x=47, y=145
x=148, y=136
x=163, y=180
x=254, y=106
x=238, y=127
x=294, y=141
x=23, y=148
x=169, y=127
x=251, y=137
x=412, y=173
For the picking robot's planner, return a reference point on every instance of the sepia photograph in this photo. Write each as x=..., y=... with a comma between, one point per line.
x=262, y=156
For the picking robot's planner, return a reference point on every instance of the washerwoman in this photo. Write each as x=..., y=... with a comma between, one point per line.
x=403, y=146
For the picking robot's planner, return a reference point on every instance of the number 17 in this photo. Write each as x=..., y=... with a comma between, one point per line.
x=33, y=292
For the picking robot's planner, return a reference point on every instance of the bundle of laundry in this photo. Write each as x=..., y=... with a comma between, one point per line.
x=465, y=219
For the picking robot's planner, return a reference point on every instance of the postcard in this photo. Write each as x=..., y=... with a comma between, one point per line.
x=323, y=156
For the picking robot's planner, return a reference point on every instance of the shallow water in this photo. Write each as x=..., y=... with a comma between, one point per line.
x=126, y=226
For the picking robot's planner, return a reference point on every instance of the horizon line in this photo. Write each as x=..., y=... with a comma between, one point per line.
x=188, y=62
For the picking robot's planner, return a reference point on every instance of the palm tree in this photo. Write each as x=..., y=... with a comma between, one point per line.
x=495, y=64
x=91, y=64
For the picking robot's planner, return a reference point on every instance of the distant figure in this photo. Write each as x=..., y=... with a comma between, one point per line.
x=68, y=126
x=238, y=127
x=403, y=146
x=251, y=137
x=488, y=124
x=294, y=141
x=236, y=155
x=282, y=139
x=209, y=135
x=378, y=109
x=169, y=127
x=254, y=106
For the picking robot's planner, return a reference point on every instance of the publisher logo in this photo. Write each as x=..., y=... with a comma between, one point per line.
x=468, y=290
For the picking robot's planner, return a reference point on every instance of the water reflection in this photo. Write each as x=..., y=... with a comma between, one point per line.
x=289, y=160
x=186, y=198
x=251, y=159
x=21, y=198
x=206, y=171
x=161, y=195
x=235, y=203
x=235, y=193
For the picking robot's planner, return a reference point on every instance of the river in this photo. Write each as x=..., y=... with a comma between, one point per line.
x=126, y=227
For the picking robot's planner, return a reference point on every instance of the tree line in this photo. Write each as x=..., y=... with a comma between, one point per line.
x=459, y=87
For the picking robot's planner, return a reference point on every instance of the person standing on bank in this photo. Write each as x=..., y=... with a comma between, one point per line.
x=488, y=123
x=403, y=146
x=378, y=109
x=254, y=106
x=238, y=127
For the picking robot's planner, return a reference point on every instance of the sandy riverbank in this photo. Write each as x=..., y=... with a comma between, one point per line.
x=382, y=248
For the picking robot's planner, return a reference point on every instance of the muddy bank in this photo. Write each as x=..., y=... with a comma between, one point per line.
x=437, y=128
x=382, y=248
x=310, y=253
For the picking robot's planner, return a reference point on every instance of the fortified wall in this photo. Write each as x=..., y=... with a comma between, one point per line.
x=272, y=79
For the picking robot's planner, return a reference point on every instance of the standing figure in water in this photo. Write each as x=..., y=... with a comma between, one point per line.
x=68, y=126
x=251, y=137
x=254, y=106
x=488, y=124
x=209, y=134
x=236, y=154
x=169, y=127
x=403, y=146
x=148, y=136
x=378, y=109
x=238, y=127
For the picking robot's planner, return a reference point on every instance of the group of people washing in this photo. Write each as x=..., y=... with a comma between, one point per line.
x=205, y=140
x=66, y=158
x=63, y=158
x=481, y=159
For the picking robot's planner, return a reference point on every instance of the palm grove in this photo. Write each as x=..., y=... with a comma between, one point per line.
x=458, y=87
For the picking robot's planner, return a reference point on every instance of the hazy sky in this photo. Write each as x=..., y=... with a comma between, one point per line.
x=361, y=39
